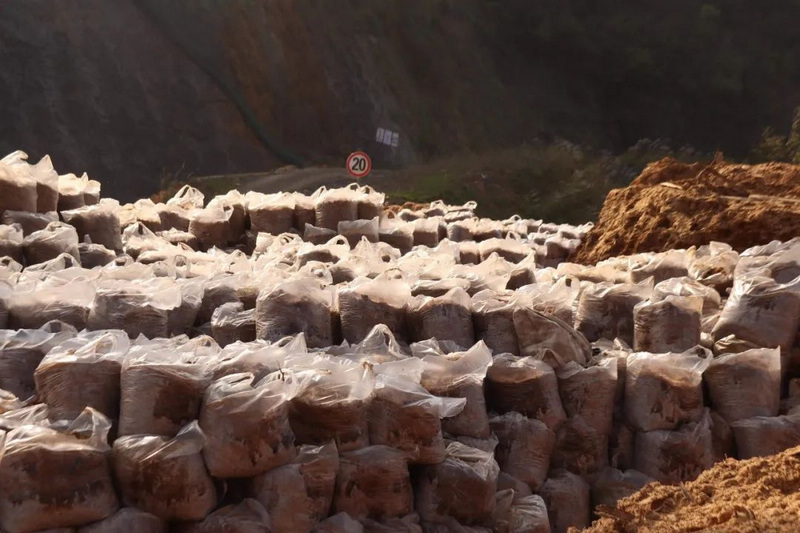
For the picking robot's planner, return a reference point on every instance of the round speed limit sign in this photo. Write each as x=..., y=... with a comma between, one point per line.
x=359, y=164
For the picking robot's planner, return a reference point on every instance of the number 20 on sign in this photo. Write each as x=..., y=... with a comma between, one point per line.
x=359, y=164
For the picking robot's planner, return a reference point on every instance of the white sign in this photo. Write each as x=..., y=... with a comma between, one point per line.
x=387, y=137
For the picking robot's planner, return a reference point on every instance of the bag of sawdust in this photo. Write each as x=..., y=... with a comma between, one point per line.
x=70, y=191
x=426, y=232
x=590, y=392
x=337, y=205
x=492, y=274
x=447, y=317
x=83, y=372
x=237, y=223
x=57, y=238
x=437, y=287
x=605, y=310
x=217, y=291
x=68, y=303
x=138, y=307
x=165, y=476
x=365, y=303
x=396, y=232
x=527, y=514
x=248, y=516
x=332, y=251
x=271, y=213
x=370, y=203
x=188, y=198
x=231, y=323
x=211, y=226
x=668, y=325
x=98, y=222
x=373, y=482
x=612, y=485
x=181, y=319
x=29, y=222
x=56, y=476
x=524, y=448
x=548, y=338
x=11, y=238
x=172, y=217
x=713, y=265
x=299, y=495
x=468, y=253
x=339, y=523
x=724, y=444
x=510, y=248
x=745, y=385
x=17, y=186
x=316, y=235
x=246, y=426
x=525, y=385
x=461, y=375
x=161, y=390
x=460, y=231
x=579, y=448
x=333, y=402
x=46, y=179
x=762, y=435
x=493, y=320
x=462, y=487
x=567, y=498
x=406, y=417
x=304, y=212
x=659, y=266
x=292, y=307
x=523, y=274
x=178, y=238
x=91, y=192
x=22, y=350
x=128, y=520
x=761, y=311
x=664, y=390
x=95, y=255
x=675, y=456
x=688, y=287
x=406, y=524
x=355, y=230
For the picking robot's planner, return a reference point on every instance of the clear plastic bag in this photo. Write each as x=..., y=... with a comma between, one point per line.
x=524, y=449
x=568, y=502
x=510, y=249
x=95, y=255
x=337, y=205
x=165, y=477
x=605, y=310
x=259, y=358
x=128, y=520
x=17, y=185
x=713, y=265
x=761, y=436
x=396, y=232
x=237, y=222
x=187, y=198
x=426, y=232
x=138, y=307
x=71, y=191
x=549, y=339
x=246, y=425
x=211, y=226
x=271, y=213
x=590, y=392
x=248, y=516
x=173, y=217
x=97, y=222
x=612, y=485
x=672, y=324
x=29, y=222
x=356, y=230
x=42, y=303
x=526, y=514
x=231, y=323
x=688, y=287
x=297, y=306
x=57, y=238
x=11, y=238
x=448, y=317
x=579, y=448
x=365, y=303
x=317, y=235
x=745, y=385
x=659, y=266
x=493, y=320
x=525, y=385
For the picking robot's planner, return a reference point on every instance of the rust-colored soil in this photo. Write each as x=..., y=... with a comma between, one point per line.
x=756, y=495
x=675, y=205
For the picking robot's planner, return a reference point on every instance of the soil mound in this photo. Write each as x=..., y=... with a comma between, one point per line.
x=673, y=205
x=761, y=494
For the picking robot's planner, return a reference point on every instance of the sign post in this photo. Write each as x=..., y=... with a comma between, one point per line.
x=359, y=164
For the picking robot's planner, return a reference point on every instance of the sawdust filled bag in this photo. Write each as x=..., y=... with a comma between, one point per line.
x=95, y=255
x=68, y=303
x=492, y=274
x=231, y=323
x=524, y=448
x=355, y=230
x=761, y=311
x=370, y=203
x=365, y=303
x=298, y=495
x=612, y=485
x=664, y=390
x=237, y=223
x=659, y=266
x=567, y=498
x=688, y=287
x=165, y=476
x=173, y=217
x=579, y=448
x=188, y=198
x=217, y=291
x=405, y=416
x=461, y=375
x=17, y=186
x=462, y=487
x=373, y=483
x=56, y=239
x=527, y=514
x=83, y=372
x=70, y=191
x=524, y=273
x=333, y=402
x=181, y=319
x=304, y=212
x=47, y=185
x=161, y=390
x=22, y=350
x=128, y=520
x=247, y=516
x=299, y=306
x=761, y=435
x=460, y=230
x=29, y=222
x=437, y=287
x=211, y=226
x=548, y=338
x=745, y=385
x=493, y=320
x=11, y=238
x=525, y=385
x=97, y=222
x=426, y=232
x=468, y=253
x=246, y=426
x=396, y=232
x=605, y=310
x=668, y=325
x=675, y=456
x=317, y=235
x=448, y=317
x=178, y=238
x=336, y=205
x=138, y=307
x=56, y=478
x=590, y=392
x=713, y=265
x=271, y=213
x=510, y=248
x=258, y=358
x=339, y=523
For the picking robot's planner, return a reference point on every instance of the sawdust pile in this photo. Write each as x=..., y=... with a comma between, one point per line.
x=755, y=495
x=675, y=205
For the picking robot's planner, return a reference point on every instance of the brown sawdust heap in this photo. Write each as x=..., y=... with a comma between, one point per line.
x=756, y=495
x=676, y=205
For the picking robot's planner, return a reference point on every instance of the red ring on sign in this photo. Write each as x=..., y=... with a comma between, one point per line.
x=359, y=164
